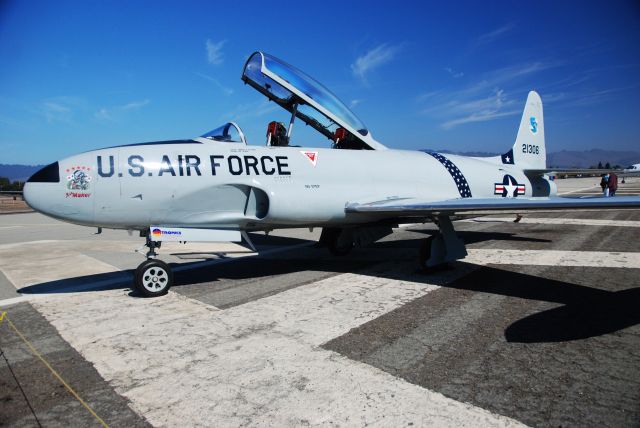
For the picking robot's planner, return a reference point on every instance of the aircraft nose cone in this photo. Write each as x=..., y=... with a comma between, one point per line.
x=61, y=196
x=38, y=189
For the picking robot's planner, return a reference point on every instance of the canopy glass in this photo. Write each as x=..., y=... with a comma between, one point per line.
x=300, y=94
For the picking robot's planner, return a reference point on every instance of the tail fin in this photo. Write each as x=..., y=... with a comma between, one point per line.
x=529, y=151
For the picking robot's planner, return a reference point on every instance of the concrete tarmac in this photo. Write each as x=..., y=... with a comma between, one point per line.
x=539, y=326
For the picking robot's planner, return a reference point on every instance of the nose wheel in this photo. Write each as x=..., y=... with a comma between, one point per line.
x=153, y=278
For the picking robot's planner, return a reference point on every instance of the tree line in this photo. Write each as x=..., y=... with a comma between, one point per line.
x=8, y=185
x=606, y=166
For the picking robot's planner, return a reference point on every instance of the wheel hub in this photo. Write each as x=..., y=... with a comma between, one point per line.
x=155, y=279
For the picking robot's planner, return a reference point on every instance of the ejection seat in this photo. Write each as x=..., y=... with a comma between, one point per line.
x=277, y=134
x=343, y=139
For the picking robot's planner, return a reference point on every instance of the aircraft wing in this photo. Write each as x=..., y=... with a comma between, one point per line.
x=411, y=207
x=583, y=171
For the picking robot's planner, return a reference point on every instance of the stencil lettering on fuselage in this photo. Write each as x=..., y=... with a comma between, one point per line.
x=193, y=165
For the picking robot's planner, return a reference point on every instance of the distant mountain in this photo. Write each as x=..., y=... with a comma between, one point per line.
x=18, y=172
x=588, y=158
x=575, y=158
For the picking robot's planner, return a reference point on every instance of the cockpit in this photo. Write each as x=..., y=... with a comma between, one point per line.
x=305, y=99
x=230, y=132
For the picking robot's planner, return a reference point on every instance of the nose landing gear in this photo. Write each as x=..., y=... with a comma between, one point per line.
x=153, y=277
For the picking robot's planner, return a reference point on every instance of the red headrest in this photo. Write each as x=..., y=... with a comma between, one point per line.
x=272, y=128
x=340, y=134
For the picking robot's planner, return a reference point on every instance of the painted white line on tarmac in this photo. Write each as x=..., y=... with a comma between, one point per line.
x=13, y=301
x=556, y=220
x=602, y=259
x=582, y=189
x=41, y=224
x=23, y=269
x=405, y=225
x=14, y=245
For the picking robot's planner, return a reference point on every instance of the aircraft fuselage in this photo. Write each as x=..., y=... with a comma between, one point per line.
x=207, y=184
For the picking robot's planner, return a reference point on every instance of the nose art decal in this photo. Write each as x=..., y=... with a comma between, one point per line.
x=78, y=182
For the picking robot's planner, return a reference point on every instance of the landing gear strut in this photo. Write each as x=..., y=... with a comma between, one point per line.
x=153, y=277
x=443, y=247
x=152, y=245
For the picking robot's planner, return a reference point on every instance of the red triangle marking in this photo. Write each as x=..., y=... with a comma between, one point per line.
x=312, y=156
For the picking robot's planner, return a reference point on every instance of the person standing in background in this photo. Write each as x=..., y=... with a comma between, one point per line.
x=613, y=184
x=604, y=183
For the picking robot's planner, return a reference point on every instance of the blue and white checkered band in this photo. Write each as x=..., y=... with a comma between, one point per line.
x=456, y=174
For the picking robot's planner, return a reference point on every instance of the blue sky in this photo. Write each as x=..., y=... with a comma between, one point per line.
x=87, y=74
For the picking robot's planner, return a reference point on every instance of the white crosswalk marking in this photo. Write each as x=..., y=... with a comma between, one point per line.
x=554, y=258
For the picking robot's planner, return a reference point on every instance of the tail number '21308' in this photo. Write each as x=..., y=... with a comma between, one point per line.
x=531, y=148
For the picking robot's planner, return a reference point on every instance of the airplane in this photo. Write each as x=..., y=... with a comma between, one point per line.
x=216, y=187
x=630, y=171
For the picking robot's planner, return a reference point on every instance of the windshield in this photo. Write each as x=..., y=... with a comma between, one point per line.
x=229, y=133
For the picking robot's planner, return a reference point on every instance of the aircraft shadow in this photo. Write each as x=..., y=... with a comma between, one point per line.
x=469, y=237
x=97, y=282
x=123, y=279
x=584, y=312
x=255, y=266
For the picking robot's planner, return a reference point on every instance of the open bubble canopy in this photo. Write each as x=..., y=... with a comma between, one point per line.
x=296, y=91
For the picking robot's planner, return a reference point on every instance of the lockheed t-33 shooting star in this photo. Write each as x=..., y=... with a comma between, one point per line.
x=217, y=188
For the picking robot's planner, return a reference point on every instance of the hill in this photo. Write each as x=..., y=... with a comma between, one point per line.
x=588, y=158
x=18, y=172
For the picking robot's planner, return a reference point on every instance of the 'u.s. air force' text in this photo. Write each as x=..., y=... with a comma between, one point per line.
x=192, y=165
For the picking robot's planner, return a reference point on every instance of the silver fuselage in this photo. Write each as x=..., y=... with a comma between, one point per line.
x=208, y=184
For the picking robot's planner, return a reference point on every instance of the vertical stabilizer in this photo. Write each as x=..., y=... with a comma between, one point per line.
x=529, y=150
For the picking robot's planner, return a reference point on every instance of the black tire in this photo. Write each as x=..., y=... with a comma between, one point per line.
x=339, y=250
x=425, y=252
x=153, y=278
x=330, y=237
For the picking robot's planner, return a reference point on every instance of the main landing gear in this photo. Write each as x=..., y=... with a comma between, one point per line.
x=435, y=251
x=338, y=241
x=153, y=277
x=443, y=247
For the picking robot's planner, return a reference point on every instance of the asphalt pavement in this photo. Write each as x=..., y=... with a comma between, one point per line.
x=539, y=325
